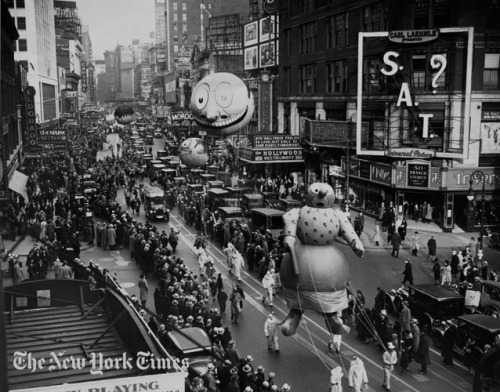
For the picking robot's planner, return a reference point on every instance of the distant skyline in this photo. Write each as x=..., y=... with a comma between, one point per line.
x=113, y=22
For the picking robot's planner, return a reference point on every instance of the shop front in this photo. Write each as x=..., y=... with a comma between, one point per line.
x=469, y=200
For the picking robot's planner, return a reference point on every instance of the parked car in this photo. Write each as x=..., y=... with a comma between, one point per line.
x=193, y=344
x=269, y=218
x=480, y=327
x=432, y=304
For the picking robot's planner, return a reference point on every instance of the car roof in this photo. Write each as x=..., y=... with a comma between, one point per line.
x=231, y=210
x=154, y=191
x=268, y=211
x=483, y=321
x=190, y=339
x=218, y=190
x=440, y=293
x=491, y=283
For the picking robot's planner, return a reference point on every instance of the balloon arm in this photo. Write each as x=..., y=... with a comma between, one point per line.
x=348, y=233
x=290, y=220
x=289, y=241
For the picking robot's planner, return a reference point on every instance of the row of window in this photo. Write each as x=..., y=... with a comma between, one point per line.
x=175, y=6
x=175, y=17
x=375, y=81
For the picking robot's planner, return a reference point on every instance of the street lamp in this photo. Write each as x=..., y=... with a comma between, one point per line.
x=471, y=197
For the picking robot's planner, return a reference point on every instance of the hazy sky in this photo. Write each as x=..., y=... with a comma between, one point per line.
x=116, y=21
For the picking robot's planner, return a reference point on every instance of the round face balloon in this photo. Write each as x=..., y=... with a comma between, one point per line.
x=320, y=195
x=192, y=152
x=124, y=114
x=222, y=104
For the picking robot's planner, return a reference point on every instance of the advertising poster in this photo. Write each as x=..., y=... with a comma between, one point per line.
x=490, y=138
x=251, y=57
x=250, y=34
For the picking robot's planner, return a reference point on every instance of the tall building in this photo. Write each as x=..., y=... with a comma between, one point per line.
x=70, y=54
x=398, y=103
x=11, y=156
x=36, y=48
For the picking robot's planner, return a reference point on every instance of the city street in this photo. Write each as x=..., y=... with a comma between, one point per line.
x=376, y=269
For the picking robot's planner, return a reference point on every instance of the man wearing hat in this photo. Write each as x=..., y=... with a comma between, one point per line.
x=209, y=379
x=233, y=385
x=389, y=359
x=232, y=353
x=197, y=385
x=243, y=374
x=405, y=317
x=261, y=377
x=224, y=374
x=415, y=331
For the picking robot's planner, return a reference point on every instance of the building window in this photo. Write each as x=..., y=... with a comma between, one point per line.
x=337, y=77
x=19, y=3
x=176, y=48
x=21, y=23
x=287, y=41
x=23, y=45
x=49, y=101
x=184, y=28
x=307, y=37
x=418, y=66
x=184, y=6
x=307, y=77
x=373, y=79
x=9, y=3
x=176, y=27
x=184, y=17
x=174, y=6
x=491, y=70
x=287, y=83
x=175, y=17
x=338, y=30
x=176, y=37
x=373, y=17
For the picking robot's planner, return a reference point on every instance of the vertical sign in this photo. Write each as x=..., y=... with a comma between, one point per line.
x=84, y=76
x=91, y=83
x=30, y=131
x=265, y=107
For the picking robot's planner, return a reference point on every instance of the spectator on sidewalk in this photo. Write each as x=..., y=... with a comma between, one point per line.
x=143, y=290
x=436, y=270
x=432, y=247
x=377, y=237
x=422, y=352
x=396, y=244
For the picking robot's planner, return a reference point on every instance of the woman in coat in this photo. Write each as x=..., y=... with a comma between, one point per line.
x=143, y=290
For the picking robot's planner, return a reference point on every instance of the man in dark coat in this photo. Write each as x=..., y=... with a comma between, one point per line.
x=432, y=246
x=396, y=244
x=423, y=357
x=449, y=338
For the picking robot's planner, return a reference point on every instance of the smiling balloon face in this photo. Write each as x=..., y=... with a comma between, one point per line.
x=222, y=104
x=192, y=152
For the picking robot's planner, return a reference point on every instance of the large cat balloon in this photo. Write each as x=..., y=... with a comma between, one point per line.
x=221, y=104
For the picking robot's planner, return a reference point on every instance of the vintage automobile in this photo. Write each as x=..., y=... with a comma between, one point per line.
x=215, y=196
x=154, y=204
x=193, y=344
x=432, y=304
x=252, y=200
x=480, y=327
x=268, y=218
x=288, y=204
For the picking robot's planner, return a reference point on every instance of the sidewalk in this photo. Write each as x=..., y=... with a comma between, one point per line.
x=425, y=230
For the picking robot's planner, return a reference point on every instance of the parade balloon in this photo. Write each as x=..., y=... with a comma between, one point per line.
x=192, y=152
x=124, y=114
x=221, y=104
x=110, y=118
x=315, y=272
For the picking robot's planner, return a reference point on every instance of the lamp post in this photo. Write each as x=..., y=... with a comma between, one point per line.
x=471, y=197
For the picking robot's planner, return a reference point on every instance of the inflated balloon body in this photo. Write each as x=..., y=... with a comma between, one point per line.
x=192, y=152
x=314, y=273
x=124, y=114
x=222, y=104
x=110, y=118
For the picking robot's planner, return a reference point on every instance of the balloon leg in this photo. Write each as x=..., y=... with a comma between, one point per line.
x=289, y=326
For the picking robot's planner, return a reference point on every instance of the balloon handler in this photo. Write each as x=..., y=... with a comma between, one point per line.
x=314, y=273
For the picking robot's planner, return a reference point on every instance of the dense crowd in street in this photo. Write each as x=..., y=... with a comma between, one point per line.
x=60, y=215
